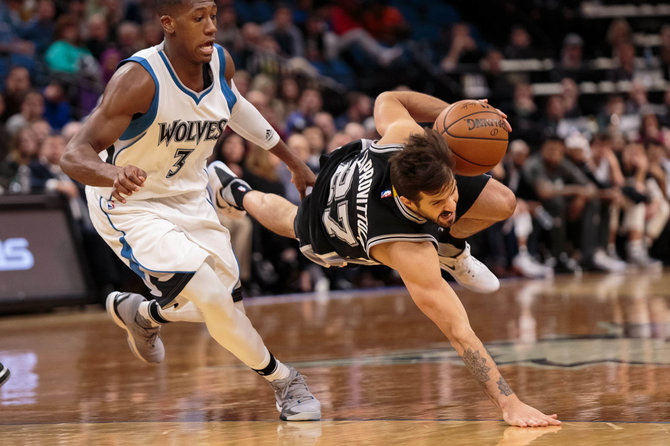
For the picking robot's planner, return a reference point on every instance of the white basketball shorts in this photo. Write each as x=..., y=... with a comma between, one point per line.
x=166, y=240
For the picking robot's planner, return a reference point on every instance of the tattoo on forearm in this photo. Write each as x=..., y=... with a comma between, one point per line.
x=477, y=365
x=505, y=389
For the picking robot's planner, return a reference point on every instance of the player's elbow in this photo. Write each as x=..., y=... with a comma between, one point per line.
x=68, y=163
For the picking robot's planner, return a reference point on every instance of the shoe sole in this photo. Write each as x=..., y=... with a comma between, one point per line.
x=4, y=376
x=111, y=310
x=302, y=416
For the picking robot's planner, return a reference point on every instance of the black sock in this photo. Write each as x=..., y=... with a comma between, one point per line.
x=239, y=189
x=155, y=315
x=457, y=244
x=268, y=369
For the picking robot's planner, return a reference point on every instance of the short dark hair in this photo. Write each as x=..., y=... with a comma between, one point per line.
x=163, y=7
x=424, y=165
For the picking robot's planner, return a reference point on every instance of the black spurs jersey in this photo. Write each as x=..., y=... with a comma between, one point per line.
x=353, y=207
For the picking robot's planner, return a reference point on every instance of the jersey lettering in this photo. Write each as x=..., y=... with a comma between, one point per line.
x=192, y=131
x=340, y=183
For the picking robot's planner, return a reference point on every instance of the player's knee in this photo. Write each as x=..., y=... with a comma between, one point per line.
x=507, y=203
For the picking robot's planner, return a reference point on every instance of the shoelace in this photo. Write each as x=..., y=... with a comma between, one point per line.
x=294, y=389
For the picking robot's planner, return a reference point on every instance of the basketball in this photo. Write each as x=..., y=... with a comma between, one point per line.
x=476, y=135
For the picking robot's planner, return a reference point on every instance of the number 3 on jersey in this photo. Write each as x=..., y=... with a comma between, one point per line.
x=340, y=183
x=181, y=155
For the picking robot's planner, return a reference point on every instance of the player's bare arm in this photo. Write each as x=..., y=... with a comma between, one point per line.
x=418, y=266
x=130, y=91
x=302, y=176
x=392, y=106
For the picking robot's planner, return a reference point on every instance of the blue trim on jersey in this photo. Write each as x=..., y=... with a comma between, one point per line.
x=124, y=148
x=142, y=123
x=127, y=252
x=197, y=97
x=231, y=99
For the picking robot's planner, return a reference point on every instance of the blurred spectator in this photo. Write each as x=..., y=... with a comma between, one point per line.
x=384, y=23
x=664, y=51
x=564, y=192
x=524, y=116
x=299, y=145
x=354, y=130
x=525, y=260
x=66, y=53
x=359, y=109
x=128, y=39
x=56, y=107
x=40, y=28
x=571, y=63
x=151, y=33
x=13, y=49
x=625, y=63
x=338, y=140
x=109, y=61
x=14, y=172
x=348, y=35
x=519, y=46
x=317, y=145
x=242, y=79
x=309, y=105
x=97, y=35
x=32, y=109
x=17, y=86
x=228, y=34
x=554, y=114
x=647, y=212
x=462, y=48
x=571, y=98
x=42, y=130
x=498, y=88
x=70, y=129
x=324, y=121
x=285, y=33
x=618, y=33
x=608, y=196
x=231, y=149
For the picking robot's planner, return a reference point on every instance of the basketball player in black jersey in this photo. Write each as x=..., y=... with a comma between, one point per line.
x=386, y=202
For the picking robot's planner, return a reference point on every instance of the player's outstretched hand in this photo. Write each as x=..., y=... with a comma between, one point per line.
x=521, y=414
x=302, y=177
x=508, y=127
x=129, y=179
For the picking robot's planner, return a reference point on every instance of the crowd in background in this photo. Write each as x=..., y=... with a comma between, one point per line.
x=588, y=100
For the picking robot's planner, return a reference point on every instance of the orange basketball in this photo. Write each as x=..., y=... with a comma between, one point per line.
x=476, y=135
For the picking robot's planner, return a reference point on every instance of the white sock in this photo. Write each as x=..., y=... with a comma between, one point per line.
x=143, y=310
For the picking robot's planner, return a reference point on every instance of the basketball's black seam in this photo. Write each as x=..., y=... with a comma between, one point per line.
x=472, y=162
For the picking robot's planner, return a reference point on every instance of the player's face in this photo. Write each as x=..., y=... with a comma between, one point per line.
x=441, y=207
x=195, y=28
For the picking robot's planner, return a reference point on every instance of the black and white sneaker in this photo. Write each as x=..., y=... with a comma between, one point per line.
x=4, y=374
x=221, y=181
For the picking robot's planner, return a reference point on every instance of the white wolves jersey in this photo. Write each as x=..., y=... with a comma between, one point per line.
x=173, y=139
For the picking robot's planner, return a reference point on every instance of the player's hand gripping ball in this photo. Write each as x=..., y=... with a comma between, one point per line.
x=476, y=133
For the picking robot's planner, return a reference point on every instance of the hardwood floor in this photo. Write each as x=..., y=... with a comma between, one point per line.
x=595, y=350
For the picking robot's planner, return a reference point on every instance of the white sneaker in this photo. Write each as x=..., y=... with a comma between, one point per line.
x=637, y=255
x=470, y=272
x=218, y=172
x=531, y=268
x=606, y=263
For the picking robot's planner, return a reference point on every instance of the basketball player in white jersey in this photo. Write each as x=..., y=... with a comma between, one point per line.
x=386, y=202
x=142, y=155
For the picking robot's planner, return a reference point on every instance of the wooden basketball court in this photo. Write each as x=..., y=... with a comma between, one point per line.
x=595, y=350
